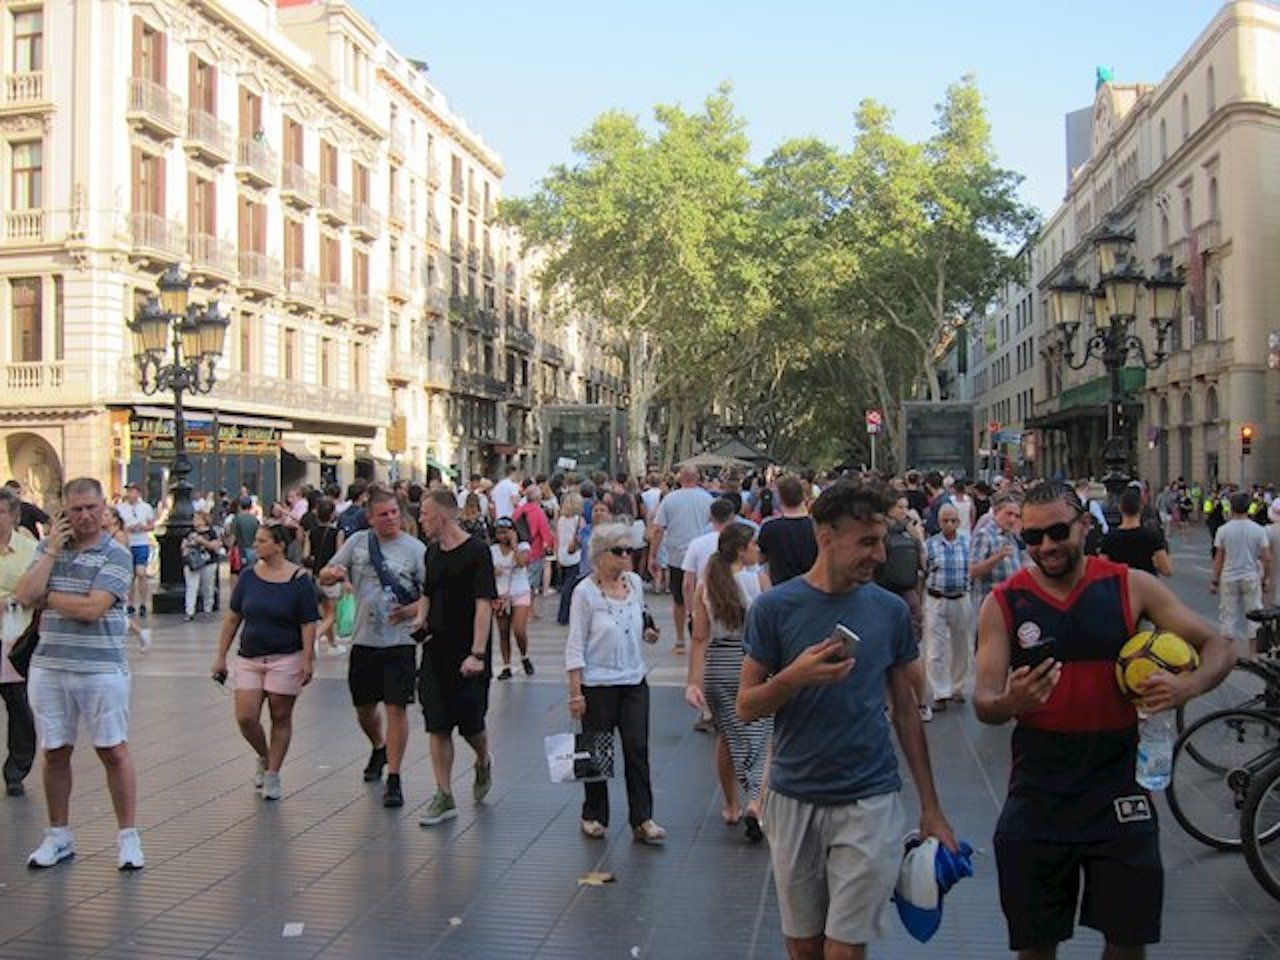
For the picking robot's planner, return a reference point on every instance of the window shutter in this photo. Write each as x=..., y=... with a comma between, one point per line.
x=138, y=40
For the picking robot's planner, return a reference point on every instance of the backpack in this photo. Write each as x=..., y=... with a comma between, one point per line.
x=901, y=568
x=523, y=533
x=352, y=520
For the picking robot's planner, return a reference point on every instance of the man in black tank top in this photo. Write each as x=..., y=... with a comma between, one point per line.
x=1074, y=810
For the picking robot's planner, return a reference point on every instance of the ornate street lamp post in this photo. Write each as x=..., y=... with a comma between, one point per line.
x=177, y=346
x=1113, y=341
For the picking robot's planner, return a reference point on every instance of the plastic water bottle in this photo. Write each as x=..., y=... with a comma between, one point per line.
x=1155, y=750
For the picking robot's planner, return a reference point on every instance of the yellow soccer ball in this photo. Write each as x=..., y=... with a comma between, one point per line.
x=1149, y=651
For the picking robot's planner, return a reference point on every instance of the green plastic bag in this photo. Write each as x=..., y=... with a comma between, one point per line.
x=344, y=619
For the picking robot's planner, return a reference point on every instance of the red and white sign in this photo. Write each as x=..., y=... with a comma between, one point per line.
x=993, y=427
x=875, y=419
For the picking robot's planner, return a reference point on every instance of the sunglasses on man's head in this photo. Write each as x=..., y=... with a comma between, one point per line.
x=1058, y=532
x=622, y=551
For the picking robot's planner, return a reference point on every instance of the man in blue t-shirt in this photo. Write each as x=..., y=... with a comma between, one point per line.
x=833, y=815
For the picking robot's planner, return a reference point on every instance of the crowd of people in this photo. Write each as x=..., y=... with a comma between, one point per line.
x=822, y=617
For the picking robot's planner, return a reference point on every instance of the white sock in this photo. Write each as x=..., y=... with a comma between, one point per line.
x=127, y=832
x=60, y=833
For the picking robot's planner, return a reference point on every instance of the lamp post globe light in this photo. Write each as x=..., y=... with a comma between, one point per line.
x=176, y=348
x=1113, y=340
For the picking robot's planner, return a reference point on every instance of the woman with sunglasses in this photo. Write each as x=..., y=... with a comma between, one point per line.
x=729, y=587
x=607, y=687
x=273, y=608
x=511, y=608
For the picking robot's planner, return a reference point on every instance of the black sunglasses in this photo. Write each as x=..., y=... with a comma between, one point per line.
x=1057, y=533
x=622, y=551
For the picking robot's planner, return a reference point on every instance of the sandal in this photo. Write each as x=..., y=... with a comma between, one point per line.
x=593, y=829
x=649, y=833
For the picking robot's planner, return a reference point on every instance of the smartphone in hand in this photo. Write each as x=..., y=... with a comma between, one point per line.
x=850, y=642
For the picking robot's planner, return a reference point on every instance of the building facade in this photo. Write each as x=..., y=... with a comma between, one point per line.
x=313, y=183
x=1189, y=166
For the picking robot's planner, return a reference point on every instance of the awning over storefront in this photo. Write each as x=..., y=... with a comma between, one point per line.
x=1088, y=401
x=435, y=464
x=207, y=416
x=298, y=450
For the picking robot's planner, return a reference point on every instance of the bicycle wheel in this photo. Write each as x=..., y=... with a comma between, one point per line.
x=1245, y=688
x=1259, y=825
x=1214, y=762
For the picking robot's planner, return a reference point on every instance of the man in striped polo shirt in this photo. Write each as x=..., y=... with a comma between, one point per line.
x=81, y=577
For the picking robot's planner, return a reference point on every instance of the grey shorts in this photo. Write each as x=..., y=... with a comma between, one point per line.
x=835, y=867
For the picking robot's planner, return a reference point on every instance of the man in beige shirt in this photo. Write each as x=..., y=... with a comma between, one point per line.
x=16, y=551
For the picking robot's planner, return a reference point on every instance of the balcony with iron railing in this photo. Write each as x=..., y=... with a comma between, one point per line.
x=521, y=339
x=473, y=201
x=337, y=301
x=399, y=286
x=153, y=109
x=485, y=321
x=259, y=274
x=437, y=374
x=456, y=189
x=473, y=257
x=24, y=226
x=299, y=186
x=365, y=220
x=437, y=301
x=488, y=265
x=1209, y=235
x=256, y=163
x=335, y=204
x=456, y=248
x=552, y=353
x=395, y=210
x=434, y=175
x=156, y=237
x=434, y=231
x=370, y=311
x=208, y=137
x=211, y=257
x=301, y=288
x=24, y=89
x=303, y=399
x=396, y=142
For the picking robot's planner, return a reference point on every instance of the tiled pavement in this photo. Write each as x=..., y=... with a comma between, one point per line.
x=226, y=872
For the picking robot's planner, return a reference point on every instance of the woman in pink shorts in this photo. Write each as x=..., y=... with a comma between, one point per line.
x=273, y=608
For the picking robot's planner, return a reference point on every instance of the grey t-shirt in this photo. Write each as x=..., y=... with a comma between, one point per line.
x=831, y=743
x=406, y=560
x=683, y=514
x=1242, y=541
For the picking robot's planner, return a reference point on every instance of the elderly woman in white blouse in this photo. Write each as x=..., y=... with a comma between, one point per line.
x=607, y=688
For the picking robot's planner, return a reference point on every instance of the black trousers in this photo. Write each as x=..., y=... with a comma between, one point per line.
x=627, y=710
x=22, y=732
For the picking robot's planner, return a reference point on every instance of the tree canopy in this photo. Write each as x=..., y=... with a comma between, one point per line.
x=788, y=295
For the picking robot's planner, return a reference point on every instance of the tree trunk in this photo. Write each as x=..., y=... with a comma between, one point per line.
x=671, y=441
x=640, y=370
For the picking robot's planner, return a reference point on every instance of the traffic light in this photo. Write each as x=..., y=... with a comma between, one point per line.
x=1246, y=440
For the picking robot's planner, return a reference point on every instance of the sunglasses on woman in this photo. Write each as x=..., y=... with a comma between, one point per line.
x=622, y=551
x=1058, y=532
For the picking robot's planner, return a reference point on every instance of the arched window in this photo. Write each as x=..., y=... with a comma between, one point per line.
x=1213, y=198
x=1164, y=142
x=1215, y=307
x=1186, y=407
x=1186, y=117
x=1211, y=405
x=1211, y=95
x=1186, y=216
x=1164, y=412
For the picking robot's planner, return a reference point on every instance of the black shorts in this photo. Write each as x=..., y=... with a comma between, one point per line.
x=460, y=702
x=675, y=581
x=382, y=675
x=1040, y=888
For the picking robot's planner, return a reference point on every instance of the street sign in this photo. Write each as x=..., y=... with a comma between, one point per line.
x=875, y=420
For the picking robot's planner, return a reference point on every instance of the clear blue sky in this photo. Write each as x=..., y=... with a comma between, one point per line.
x=528, y=76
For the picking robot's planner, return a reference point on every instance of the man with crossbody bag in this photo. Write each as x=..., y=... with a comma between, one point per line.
x=384, y=566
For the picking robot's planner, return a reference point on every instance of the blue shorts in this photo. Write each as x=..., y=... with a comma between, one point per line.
x=141, y=554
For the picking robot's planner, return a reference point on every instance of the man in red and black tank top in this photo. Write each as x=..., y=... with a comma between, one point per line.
x=1048, y=639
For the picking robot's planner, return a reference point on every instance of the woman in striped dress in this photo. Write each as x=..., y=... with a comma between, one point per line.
x=731, y=583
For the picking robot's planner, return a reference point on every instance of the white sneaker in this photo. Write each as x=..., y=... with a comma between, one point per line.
x=260, y=772
x=144, y=639
x=337, y=650
x=130, y=845
x=926, y=712
x=271, y=786
x=56, y=846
